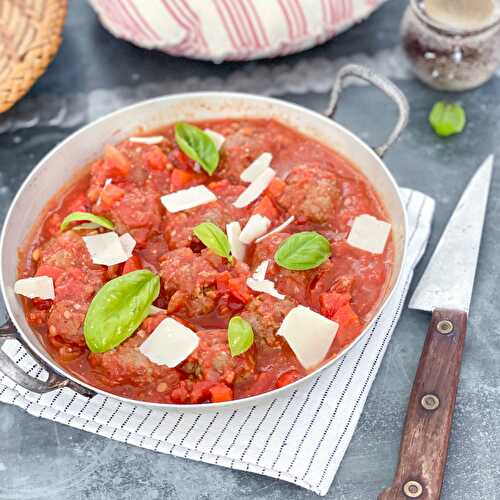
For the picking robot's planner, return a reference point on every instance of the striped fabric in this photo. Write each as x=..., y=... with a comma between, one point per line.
x=300, y=437
x=230, y=29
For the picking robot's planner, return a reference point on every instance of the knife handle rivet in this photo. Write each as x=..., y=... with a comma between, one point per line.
x=445, y=326
x=412, y=489
x=430, y=402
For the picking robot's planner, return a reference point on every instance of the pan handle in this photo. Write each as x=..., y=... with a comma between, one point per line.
x=11, y=370
x=385, y=85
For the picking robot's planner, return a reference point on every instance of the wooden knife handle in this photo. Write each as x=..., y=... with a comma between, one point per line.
x=424, y=445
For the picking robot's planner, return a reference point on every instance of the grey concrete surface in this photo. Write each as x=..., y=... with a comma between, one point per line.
x=93, y=74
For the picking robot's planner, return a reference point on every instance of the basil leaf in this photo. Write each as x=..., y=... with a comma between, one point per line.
x=198, y=146
x=118, y=309
x=239, y=335
x=214, y=238
x=447, y=119
x=302, y=251
x=85, y=216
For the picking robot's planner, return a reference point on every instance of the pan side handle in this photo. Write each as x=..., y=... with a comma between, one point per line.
x=11, y=370
x=385, y=85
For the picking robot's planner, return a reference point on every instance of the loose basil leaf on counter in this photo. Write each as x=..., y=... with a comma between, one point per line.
x=301, y=251
x=198, y=146
x=447, y=119
x=118, y=309
x=214, y=238
x=239, y=335
x=85, y=216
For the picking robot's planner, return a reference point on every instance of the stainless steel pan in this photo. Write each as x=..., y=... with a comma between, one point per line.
x=64, y=161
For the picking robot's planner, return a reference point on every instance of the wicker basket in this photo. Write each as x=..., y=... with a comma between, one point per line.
x=30, y=35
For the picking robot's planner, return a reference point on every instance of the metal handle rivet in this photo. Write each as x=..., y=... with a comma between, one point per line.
x=445, y=326
x=412, y=489
x=430, y=402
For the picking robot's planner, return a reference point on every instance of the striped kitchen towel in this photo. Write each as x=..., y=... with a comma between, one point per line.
x=300, y=437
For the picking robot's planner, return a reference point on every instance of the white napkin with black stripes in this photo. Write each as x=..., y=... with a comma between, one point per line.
x=300, y=437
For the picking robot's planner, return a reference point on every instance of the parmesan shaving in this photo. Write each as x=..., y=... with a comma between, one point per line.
x=255, y=189
x=154, y=139
x=238, y=249
x=256, y=167
x=217, y=138
x=277, y=229
x=256, y=226
x=187, y=198
x=369, y=234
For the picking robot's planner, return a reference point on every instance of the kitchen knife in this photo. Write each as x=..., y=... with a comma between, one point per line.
x=445, y=290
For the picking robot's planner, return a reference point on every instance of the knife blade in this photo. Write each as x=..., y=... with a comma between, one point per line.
x=449, y=277
x=445, y=289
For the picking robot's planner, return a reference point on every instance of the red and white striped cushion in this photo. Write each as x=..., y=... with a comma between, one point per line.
x=230, y=29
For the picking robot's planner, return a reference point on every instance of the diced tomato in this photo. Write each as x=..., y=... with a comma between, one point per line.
x=200, y=391
x=266, y=208
x=132, y=264
x=222, y=281
x=220, y=393
x=215, y=185
x=275, y=188
x=331, y=302
x=181, y=160
x=78, y=204
x=48, y=270
x=239, y=289
x=182, y=179
x=115, y=162
x=155, y=158
x=349, y=326
x=110, y=194
x=180, y=395
x=287, y=378
x=42, y=304
x=53, y=224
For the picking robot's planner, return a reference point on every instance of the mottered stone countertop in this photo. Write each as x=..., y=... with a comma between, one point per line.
x=94, y=74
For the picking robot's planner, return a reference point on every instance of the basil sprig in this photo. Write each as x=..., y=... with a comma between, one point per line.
x=214, y=238
x=447, y=119
x=118, y=309
x=301, y=251
x=85, y=216
x=239, y=335
x=198, y=146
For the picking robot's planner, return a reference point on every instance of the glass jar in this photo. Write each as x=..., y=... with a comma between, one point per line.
x=446, y=58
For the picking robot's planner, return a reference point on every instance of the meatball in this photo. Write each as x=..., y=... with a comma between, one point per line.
x=265, y=314
x=65, y=323
x=76, y=279
x=294, y=284
x=136, y=210
x=311, y=194
x=127, y=365
x=239, y=150
x=212, y=361
x=190, y=280
x=179, y=226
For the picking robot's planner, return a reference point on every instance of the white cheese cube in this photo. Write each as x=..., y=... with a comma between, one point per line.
x=170, y=343
x=41, y=287
x=308, y=334
x=369, y=233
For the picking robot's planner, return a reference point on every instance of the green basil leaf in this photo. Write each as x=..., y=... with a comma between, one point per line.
x=239, y=335
x=447, y=119
x=302, y=251
x=198, y=146
x=85, y=216
x=118, y=309
x=214, y=238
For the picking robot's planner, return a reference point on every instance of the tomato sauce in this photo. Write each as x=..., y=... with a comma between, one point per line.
x=318, y=186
